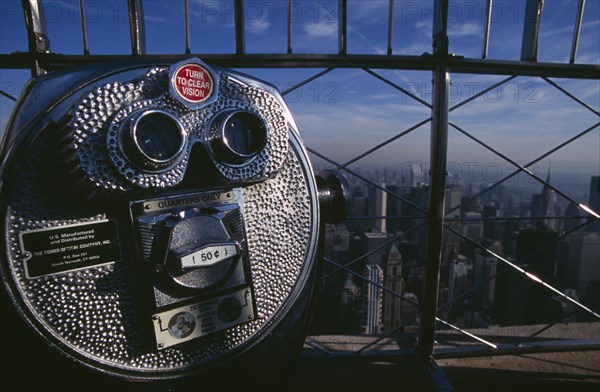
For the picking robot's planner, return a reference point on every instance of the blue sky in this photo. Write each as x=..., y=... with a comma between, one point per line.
x=348, y=111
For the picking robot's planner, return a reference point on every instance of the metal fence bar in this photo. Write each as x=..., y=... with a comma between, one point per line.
x=186, y=26
x=317, y=346
x=37, y=35
x=492, y=345
x=7, y=95
x=305, y=81
x=576, y=31
x=399, y=88
x=343, y=26
x=573, y=97
x=531, y=30
x=84, y=38
x=390, y=28
x=481, y=93
x=137, y=29
x=486, y=29
x=383, y=144
x=289, y=26
x=240, y=39
x=456, y=64
x=547, y=327
x=510, y=218
x=437, y=188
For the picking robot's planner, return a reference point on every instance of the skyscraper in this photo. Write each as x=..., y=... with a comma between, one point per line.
x=543, y=205
x=484, y=271
x=378, y=207
x=583, y=268
x=372, y=300
x=457, y=285
x=372, y=295
x=395, y=283
x=594, y=203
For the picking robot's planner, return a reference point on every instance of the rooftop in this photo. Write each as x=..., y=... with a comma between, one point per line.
x=547, y=362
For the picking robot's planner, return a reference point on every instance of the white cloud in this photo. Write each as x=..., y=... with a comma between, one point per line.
x=158, y=19
x=466, y=29
x=258, y=26
x=320, y=29
x=425, y=24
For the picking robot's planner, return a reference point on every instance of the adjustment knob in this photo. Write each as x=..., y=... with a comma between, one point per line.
x=334, y=196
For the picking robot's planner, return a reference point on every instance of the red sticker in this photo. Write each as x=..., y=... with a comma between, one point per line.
x=193, y=83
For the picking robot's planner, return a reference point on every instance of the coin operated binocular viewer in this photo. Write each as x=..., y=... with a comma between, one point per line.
x=161, y=224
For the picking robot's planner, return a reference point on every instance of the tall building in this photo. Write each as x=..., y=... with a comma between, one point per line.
x=582, y=266
x=537, y=250
x=378, y=207
x=572, y=224
x=492, y=229
x=453, y=200
x=372, y=300
x=397, y=207
x=543, y=205
x=484, y=280
x=371, y=242
x=594, y=203
x=412, y=173
x=409, y=308
x=511, y=297
x=372, y=295
x=348, y=319
x=457, y=285
x=395, y=283
x=472, y=227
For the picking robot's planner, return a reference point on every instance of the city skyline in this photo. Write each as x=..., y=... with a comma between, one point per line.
x=476, y=289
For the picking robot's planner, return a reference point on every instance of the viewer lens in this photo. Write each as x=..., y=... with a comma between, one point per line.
x=159, y=137
x=244, y=133
x=153, y=140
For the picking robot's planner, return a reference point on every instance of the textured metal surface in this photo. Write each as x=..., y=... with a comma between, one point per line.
x=93, y=311
x=92, y=314
x=99, y=117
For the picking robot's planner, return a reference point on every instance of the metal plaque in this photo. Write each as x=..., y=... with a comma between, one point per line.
x=189, y=322
x=190, y=200
x=68, y=248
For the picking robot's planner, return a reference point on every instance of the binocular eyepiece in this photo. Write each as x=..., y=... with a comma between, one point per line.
x=161, y=221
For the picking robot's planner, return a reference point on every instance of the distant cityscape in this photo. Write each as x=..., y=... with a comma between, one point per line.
x=384, y=240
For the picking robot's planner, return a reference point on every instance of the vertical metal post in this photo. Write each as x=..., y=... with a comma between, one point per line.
x=577, y=31
x=289, y=27
x=186, y=22
x=136, y=27
x=240, y=41
x=86, y=50
x=486, y=29
x=37, y=35
x=342, y=26
x=437, y=184
x=390, y=27
x=531, y=30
